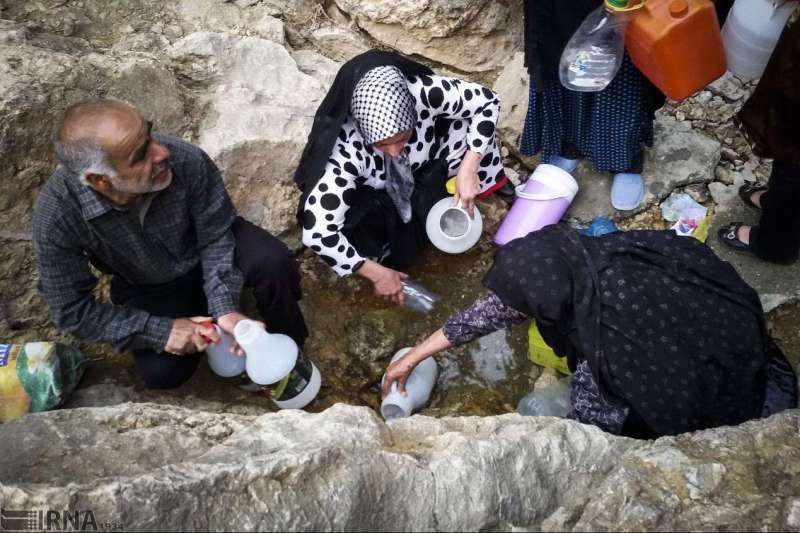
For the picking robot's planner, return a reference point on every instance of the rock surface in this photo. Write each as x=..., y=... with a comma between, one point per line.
x=680, y=156
x=254, y=126
x=156, y=467
x=469, y=35
x=512, y=85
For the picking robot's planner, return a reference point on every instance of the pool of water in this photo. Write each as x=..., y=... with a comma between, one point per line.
x=354, y=334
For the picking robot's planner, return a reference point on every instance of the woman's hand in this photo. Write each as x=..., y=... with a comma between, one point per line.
x=387, y=282
x=398, y=372
x=467, y=182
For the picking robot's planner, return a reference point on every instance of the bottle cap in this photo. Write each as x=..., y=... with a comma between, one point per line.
x=617, y=3
x=678, y=8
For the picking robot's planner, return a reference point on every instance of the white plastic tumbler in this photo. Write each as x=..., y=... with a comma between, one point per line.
x=270, y=356
x=418, y=389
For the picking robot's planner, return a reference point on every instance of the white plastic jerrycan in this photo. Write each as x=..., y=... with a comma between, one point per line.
x=270, y=356
x=751, y=32
x=418, y=389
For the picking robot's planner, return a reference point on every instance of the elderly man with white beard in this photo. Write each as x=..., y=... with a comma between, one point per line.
x=151, y=211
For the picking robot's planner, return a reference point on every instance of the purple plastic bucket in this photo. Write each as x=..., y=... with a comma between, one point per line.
x=541, y=201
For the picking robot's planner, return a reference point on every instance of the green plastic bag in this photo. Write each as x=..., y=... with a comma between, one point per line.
x=37, y=376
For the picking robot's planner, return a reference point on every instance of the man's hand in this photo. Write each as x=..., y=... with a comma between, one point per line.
x=187, y=335
x=387, y=282
x=228, y=322
x=467, y=182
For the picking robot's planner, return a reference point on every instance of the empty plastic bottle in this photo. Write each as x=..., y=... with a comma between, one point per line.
x=549, y=401
x=593, y=55
x=418, y=389
x=417, y=297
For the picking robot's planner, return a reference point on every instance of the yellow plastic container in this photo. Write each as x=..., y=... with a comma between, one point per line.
x=451, y=185
x=542, y=354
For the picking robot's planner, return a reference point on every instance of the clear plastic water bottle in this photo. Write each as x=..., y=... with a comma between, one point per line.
x=553, y=400
x=417, y=297
x=594, y=54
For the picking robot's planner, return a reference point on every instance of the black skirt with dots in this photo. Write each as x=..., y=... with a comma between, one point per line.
x=609, y=128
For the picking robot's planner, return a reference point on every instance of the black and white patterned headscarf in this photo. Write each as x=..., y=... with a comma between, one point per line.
x=383, y=107
x=382, y=104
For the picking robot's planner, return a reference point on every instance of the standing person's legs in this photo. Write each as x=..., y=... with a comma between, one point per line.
x=777, y=236
x=271, y=271
x=180, y=298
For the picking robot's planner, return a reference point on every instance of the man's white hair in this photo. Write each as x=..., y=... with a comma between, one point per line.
x=83, y=157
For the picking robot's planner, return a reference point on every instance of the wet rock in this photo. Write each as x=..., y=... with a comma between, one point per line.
x=331, y=471
x=375, y=337
x=472, y=35
x=253, y=124
x=512, y=87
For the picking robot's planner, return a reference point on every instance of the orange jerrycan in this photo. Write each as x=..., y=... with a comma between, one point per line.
x=677, y=45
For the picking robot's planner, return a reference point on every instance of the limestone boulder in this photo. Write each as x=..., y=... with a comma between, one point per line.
x=149, y=466
x=469, y=35
x=337, y=42
x=512, y=85
x=255, y=112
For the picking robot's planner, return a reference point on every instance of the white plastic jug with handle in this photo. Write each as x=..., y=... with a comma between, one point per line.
x=751, y=32
x=221, y=359
x=419, y=386
x=270, y=356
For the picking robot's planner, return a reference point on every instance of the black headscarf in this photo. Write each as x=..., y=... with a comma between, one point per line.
x=333, y=111
x=549, y=25
x=665, y=326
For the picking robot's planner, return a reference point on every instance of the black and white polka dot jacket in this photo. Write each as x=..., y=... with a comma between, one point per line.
x=474, y=111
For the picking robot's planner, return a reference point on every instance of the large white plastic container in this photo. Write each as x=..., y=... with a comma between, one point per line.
x=270, y=356
x=222, y=361
x=750, y=34
x=418, y=389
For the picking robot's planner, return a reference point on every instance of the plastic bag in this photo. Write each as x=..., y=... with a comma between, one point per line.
x=600, y=226
x=37, y=376
x=549, y=401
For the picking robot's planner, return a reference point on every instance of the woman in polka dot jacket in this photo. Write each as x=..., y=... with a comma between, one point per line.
x=360, y=215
